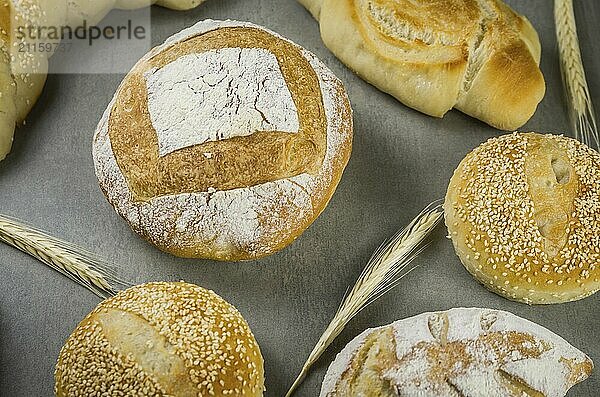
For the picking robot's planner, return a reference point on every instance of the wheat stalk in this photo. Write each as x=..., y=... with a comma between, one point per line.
x=581, y=110
x=80, y=265
x=388, y=265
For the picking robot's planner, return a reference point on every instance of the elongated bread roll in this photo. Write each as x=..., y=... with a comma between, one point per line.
x=23, y=73
x=478, y=56
x=465, y=352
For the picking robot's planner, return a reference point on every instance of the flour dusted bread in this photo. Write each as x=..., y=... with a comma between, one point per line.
x=23, y=73
x=467, y=352
x=226, y=142
x=523, y=212
x=478, y=56
x=161, y=339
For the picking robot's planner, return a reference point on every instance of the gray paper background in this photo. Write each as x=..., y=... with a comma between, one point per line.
x=401, y=161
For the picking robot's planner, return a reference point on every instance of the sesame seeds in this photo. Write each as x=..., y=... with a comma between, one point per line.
x=215, y=343
x=89, y=366
x=493, y=198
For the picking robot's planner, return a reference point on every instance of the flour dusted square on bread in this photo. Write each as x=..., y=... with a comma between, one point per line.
x=468, y=352
x=226, y=142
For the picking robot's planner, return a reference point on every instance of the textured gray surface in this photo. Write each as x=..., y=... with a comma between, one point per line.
x=401, y=161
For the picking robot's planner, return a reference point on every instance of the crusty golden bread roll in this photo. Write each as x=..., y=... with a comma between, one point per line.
x=161, y=339
x=460, y=352
x=477, y=56
x=523, y=212
x=226, y=142
x=23, y=72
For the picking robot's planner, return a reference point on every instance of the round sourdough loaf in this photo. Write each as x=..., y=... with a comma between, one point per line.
x=161, y=339
x=478, y=56
x=460, y=352
x=523, y=212
x=226, y=142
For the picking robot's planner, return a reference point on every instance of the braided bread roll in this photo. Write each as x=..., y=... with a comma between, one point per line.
x=478, y=56
x=22, y=80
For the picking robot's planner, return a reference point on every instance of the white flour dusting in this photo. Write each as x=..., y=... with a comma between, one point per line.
x=216, y=95
x=240, y=219
x=548, y=373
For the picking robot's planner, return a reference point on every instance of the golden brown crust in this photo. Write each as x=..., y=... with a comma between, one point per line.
x=509, y=84
x=476, y=55
x=460, y=352
x=236, y=162
x=363, y=377
x=23, y=73
x=161, y=339
x=5, y=22
x=254, y=194
x=522, y=211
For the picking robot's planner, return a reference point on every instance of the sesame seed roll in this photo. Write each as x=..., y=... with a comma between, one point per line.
x=161, y=339
x=523, y=212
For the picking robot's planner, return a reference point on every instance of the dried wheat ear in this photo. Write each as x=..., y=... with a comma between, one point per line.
x=80, y=265
x=388, y=265
x=581, y=109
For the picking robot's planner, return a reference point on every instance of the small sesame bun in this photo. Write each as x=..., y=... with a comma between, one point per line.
x=161, y=339
x=523, y=212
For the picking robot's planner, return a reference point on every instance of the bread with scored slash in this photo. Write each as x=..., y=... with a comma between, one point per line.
x=161, y=339
x=478, y=56
x=464, y=352
x=523, y=213
x=226, y=142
